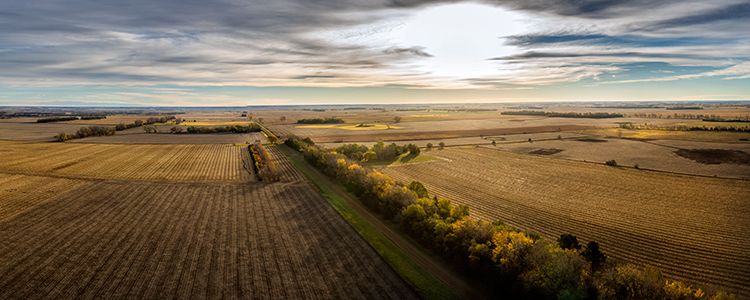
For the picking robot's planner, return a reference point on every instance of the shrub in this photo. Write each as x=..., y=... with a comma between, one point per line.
x=611, y=162
x=413, y=149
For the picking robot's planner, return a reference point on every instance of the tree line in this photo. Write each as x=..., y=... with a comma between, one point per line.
x=588, y=115
x=328, y=120
x=96, y=130
x=225, y=129
x=264, y=166
x=502, y=259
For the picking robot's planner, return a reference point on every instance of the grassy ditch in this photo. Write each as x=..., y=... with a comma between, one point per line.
x=427, y=285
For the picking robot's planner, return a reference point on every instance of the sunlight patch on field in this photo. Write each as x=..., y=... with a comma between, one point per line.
x=352, y=127
x=243, y=123
x=405, y=158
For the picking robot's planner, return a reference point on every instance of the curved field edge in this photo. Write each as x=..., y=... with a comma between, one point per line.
x=427, y=285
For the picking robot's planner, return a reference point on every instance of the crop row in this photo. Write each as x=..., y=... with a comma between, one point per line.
x=139, y=162
x=287, y=172
x=150, y=240
x=19, y=192
x=694, y=229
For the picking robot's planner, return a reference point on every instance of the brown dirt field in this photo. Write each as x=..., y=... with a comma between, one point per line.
x=652, y=155
x=147, y=240
x=217, y=163
x=26, y=129
x=695, y=229
x=395, y=135
x=715, y=156
x=19, y=192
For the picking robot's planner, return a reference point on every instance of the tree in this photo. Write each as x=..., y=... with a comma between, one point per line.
x=418, y=188
x=62, y=136
x=441, y=145
x=273, y=139
x=569, y=241
x=494, y=143
x=413, y=149
x=593, y=254
x=282, y=118
x=429, y=146
x=175, y=129
x=397, y=119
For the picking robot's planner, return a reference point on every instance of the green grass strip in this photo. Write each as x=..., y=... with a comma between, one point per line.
x=427, y=285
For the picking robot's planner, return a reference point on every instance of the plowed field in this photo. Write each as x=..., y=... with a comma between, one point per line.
x=152, y=240
x=695, y=229
x=129, y=162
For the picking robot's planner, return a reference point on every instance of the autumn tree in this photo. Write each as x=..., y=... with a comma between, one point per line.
x=413, y=149
x=441, y=145
x=418, y=188
x=569, y=241
x=593, y=254
x=397, y=119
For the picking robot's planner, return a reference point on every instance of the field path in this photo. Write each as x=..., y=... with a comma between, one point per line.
x=458, y=285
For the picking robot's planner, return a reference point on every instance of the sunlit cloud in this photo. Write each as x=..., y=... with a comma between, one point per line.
x=486, y=45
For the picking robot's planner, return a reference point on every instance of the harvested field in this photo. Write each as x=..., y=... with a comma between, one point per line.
x=402, y=135
x=652, y=155
x=19, y=193
x=287, y=172
x=130, y=162
x=695, y=229
x=476, y=140
x=26, y=129
x=138, y=136
x=150, y=240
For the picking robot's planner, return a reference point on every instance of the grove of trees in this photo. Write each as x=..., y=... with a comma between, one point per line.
x=328, y=120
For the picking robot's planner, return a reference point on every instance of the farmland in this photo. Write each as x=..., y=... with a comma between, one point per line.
x=20, y=192
x=80, y=220
x=213, y=162
x=693, y=228
x=175, y=240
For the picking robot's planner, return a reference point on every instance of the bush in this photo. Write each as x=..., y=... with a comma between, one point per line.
x=611, y=163
x=413, y=149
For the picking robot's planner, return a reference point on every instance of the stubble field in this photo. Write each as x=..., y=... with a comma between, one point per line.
x=213, y=162
x=695, y=229
x=19, y=192
x=114, y=221
x=150, y=240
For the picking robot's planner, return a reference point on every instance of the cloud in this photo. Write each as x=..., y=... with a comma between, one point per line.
x=740, y=11
x=284, y=43
x=738, y=71
x=535, y=55
x=418, y=51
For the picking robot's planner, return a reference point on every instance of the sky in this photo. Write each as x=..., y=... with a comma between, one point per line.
x=288, y=52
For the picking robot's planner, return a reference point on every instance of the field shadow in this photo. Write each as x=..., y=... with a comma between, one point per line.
x=715, y=156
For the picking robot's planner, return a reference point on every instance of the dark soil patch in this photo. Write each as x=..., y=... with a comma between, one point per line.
x=546, y=151
x=715, y=156
x=592, y=140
